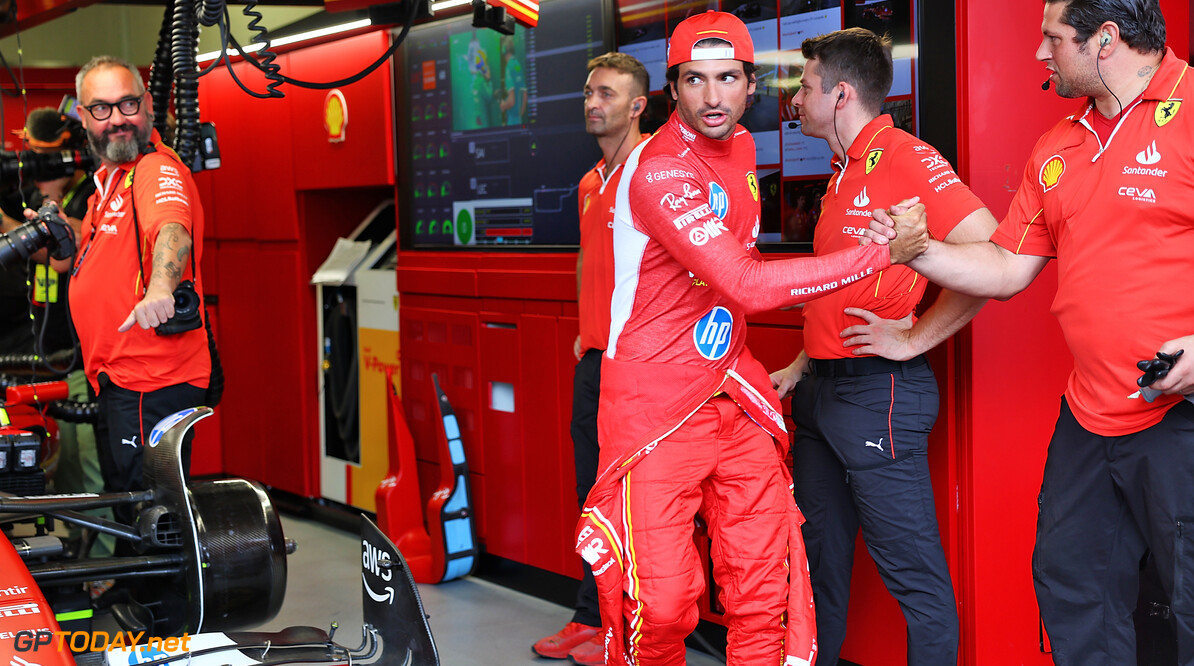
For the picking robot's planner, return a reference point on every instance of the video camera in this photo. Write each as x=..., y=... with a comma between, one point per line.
x=30, y=166
x=48, y=229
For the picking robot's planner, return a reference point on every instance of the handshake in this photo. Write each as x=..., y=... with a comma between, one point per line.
x=904, y=227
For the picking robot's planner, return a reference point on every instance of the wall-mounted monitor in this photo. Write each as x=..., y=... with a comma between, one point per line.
x=489, y=168
x=494, y=129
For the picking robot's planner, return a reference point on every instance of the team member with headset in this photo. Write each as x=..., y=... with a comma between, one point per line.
x=863, y=411
x=1108, y=192
x=615, y=98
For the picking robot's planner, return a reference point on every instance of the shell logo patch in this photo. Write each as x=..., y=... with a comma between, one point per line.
x=1166, y=111
x=1051, y=172
x=872, y=159
x=753, y=183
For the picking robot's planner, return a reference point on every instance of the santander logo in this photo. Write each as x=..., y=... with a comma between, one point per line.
x=862, y=200
x=1149, y=155
x=116, y=203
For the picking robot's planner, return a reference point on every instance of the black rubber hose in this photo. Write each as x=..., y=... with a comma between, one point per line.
x=183, y=52
x=73, y=412
x=161, y=72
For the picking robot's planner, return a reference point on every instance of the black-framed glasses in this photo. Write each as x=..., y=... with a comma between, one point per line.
x=103, y=110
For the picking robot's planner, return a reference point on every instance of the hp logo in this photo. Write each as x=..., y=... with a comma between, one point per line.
x=719, y=201
x=713, y=333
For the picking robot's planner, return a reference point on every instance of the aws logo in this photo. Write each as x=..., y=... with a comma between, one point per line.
x=872, y=159
x=1166, y=112
x=1051, y=172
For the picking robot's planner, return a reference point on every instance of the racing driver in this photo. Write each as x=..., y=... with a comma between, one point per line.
x=688, y=420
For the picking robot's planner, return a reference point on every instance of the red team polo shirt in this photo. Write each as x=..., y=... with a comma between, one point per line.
x=883, y=166
x=106, y=284
x=1119, y=219
x=596, y=197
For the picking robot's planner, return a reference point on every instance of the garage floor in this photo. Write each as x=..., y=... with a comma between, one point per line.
x=473, y=621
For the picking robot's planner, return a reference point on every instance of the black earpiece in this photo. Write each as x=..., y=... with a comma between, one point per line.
x=636, y=107
x=841, y=95
x=1105, y=39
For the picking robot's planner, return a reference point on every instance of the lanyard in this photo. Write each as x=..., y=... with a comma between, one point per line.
x=106, y=192
x=66, y=199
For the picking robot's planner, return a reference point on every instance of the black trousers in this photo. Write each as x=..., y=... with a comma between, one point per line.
x=1104, y=503
x=859, y=460
x=586, y=392
x=126, y=418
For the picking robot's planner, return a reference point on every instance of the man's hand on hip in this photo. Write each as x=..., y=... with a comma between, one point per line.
x=888, y=338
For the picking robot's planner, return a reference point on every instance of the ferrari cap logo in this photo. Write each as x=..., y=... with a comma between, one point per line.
x=872, y=159
x=1051, y=172
x=753, y=183
x=1166, y=111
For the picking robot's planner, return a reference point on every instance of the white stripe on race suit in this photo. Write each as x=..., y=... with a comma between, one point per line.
x=629, y=245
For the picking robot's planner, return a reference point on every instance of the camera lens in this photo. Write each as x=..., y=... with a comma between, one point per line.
x=18, y=244
x=186, y=301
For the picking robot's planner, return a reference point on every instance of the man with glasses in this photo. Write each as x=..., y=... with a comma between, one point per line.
x=142, y=224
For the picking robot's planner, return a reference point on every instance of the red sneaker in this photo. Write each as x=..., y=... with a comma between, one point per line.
x=559, y=645
x=589, y=653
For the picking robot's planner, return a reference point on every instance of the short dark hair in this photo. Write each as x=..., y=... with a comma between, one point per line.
x=673, y=73
x=627, y=64
x=858, y=57
x=1141, y=23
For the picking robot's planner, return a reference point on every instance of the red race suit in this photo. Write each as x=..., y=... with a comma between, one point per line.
x=688, y=419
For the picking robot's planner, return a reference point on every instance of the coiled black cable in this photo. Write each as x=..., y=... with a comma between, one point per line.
x=209, y=11
x=410, y=17
x=265, y=57
x=184, y=50
x=161, y=72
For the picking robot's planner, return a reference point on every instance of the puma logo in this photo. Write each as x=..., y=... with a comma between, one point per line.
x=133, y=442
x=877, y=446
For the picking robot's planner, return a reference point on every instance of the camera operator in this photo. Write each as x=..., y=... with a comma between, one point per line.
x=142, y=224
x=47, y=132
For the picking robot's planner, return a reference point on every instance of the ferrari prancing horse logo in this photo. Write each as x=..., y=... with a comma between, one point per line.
x=872, y=159
x=1166, y=111
x=753, y=183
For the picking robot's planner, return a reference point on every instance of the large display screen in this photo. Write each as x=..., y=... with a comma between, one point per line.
x=496, y=141
x=496, y=132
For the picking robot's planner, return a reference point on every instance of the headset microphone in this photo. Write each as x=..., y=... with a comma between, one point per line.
x=1045, y=85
